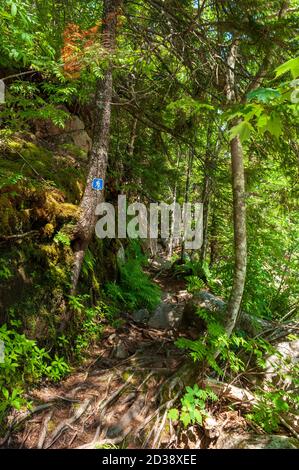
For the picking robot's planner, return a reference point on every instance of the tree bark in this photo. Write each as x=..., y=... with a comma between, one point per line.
x=205, y=196
x=211, y=156
x=171, y=238
x=99, y=151
x=240, y=237
x=213, y=239
x=187, y=190
x=239, y=208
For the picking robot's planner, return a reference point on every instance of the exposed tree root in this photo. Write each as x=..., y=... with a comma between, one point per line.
x=19, y=420
x=67, y=423
x=43, y=435
x=126, y=402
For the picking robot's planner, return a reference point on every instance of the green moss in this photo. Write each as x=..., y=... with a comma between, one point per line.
x=22, y=160
x=74, y=150
x=39, y=194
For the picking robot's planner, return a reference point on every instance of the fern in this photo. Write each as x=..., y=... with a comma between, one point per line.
x=135, y=289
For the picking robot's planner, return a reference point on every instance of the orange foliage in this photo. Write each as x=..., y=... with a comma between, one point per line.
x=75, y=43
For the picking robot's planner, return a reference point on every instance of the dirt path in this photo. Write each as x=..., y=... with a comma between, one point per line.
x=121, y=395
x=116, y=398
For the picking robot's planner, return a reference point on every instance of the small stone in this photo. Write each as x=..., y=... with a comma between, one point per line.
x=211, y=427
x=111, y=337
x=121, y=351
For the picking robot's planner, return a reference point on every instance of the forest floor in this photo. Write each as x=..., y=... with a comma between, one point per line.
x=118, y=396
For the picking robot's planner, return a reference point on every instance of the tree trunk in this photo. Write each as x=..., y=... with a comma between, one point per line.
x=99, y=152
x=213, y=239
x=170, y=245
x=240, y=238
x=187, y=190
x=239, y=208
x=171, y=238
x=206, y=193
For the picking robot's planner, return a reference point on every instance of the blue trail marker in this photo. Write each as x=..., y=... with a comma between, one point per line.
x=98, y=184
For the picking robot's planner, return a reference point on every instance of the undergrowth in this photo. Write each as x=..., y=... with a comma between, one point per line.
x=23, y=362
x=234, y=356
x=134, y=289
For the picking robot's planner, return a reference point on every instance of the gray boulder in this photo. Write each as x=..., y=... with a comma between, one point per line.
x=249, y=323
x=141, y=316
x=255, y=441
x=280, y=363
x=166, y=317
x=73, y=132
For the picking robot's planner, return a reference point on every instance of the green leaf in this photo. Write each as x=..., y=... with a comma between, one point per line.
x=185, y=418
x=280, y=404
x=271, y=124
x=173, y=414
x=252, y=110
x=289, y=66
x=198, y=416
x=13, y=10
x=274, y=125
x=264, y=95
x=262, y=122
x=243, y=130
x=16, y=404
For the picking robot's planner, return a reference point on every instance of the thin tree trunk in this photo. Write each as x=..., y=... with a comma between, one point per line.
x=187, y=190
x=131, y=149
x=170, y=246
x=171, y=239
x=213, y=238
x=133, y=136
x=240, y=236
x=239, y=208
x=205, y=196
x=99, y=152
x=206, y=207
x=210, y=165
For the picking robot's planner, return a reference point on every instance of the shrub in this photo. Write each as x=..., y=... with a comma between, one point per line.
x=24, y=363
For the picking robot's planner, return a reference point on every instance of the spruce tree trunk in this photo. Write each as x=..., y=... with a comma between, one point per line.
x=239, y=207
x=205, y=195
x=99, y=151
x=174, y=200
x=206, y=207
x=240, y=237
x=187, y=191
x=213, y=239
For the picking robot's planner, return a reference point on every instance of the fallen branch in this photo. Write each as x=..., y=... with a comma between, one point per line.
x=19, y=236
